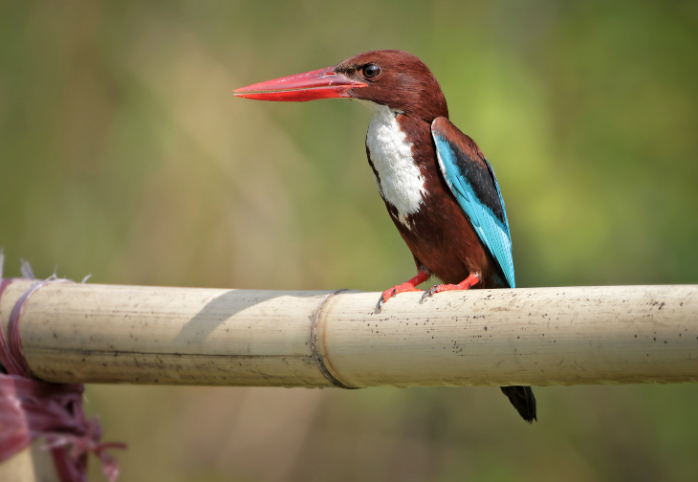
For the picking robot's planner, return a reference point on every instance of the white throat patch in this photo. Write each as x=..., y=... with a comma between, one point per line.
x=400, y=181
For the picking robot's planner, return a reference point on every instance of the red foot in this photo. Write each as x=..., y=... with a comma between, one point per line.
x=466, y=284
x=404, y=287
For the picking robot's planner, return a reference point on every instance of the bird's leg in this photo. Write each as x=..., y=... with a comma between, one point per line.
x=421, y=277
x=466, y=284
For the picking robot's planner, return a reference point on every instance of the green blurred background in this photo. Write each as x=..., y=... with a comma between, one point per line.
x=124, y=154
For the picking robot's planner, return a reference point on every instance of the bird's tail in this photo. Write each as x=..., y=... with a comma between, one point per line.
x=523, y=400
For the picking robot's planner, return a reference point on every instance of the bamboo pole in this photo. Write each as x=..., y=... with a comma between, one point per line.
x=190, y=336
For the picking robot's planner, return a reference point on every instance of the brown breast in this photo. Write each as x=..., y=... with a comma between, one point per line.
x=440, y=235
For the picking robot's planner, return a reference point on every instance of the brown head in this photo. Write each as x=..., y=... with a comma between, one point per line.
x=388, y=77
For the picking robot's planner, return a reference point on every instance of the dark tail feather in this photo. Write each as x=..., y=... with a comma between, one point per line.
x=523, y=400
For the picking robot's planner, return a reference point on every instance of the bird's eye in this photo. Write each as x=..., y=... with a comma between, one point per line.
x=371, y=71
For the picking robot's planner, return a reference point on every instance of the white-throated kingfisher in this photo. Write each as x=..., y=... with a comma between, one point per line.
x=440, y=190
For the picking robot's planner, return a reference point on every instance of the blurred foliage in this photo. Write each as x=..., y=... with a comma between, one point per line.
x=123, y=154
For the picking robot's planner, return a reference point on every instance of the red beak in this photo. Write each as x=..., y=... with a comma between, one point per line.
x=318, y=84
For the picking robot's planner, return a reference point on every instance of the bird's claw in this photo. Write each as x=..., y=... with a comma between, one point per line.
x=429, y=293
x=387, y=294
x=468, y=283
x=383, y=299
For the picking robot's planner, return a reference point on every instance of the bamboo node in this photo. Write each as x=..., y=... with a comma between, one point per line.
x=314, y=344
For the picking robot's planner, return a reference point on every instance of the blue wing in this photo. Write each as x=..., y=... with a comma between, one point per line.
x=473, y=183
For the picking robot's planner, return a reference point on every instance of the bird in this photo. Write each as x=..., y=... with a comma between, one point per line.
x=438, y=187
